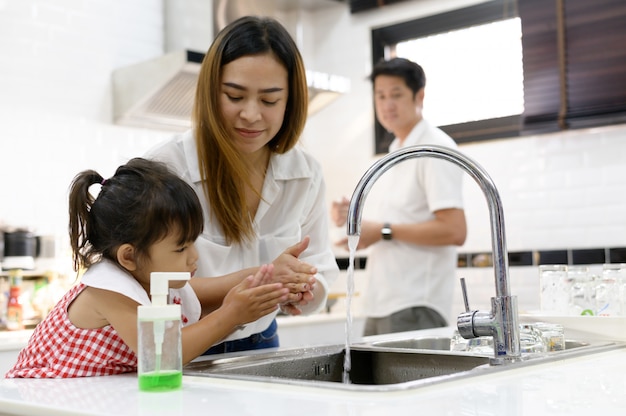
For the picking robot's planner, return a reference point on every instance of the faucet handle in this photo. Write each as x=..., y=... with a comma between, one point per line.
x=464, y=291
x=465, y=321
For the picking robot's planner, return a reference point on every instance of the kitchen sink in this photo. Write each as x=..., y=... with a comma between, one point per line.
x=378, y=366
x=323, y=366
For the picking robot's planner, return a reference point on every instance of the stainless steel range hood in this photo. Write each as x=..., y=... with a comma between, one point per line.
x=160, y=93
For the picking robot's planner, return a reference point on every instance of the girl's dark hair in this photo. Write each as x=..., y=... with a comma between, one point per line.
x=412, y=74
x=140, y=205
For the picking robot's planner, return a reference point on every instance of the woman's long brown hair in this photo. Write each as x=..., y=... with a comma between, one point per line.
x=223, y=172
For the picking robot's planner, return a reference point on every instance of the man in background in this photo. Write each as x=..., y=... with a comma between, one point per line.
x=411, y=264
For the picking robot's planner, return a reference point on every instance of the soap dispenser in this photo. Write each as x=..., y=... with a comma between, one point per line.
x=159, y=340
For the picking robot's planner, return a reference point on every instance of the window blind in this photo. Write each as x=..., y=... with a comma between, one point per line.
x=574, y=63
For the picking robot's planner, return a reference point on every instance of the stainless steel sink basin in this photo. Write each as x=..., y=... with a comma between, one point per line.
x=323, y=366
x=381, y=366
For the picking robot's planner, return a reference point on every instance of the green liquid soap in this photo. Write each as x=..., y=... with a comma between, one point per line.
x=161, y=381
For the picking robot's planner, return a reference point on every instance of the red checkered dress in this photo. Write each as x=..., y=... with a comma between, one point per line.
x=57, y=349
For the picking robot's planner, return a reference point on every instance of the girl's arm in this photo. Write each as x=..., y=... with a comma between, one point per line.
x=248, y=301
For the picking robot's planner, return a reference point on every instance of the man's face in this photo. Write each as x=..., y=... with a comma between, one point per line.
x=397, y=108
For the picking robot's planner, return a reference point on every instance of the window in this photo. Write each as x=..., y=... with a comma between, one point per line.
x=573, y=66
x=472, y=74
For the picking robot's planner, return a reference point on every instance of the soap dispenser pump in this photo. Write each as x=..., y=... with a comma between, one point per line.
x=159, y=340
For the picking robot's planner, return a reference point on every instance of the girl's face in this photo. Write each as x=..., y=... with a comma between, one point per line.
x=253, y=98
x=167, y=255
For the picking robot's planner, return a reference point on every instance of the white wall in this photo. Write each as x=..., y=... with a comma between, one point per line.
x=55, y=98
x=560, y=190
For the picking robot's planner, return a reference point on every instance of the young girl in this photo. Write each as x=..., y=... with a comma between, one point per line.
x=144, y=219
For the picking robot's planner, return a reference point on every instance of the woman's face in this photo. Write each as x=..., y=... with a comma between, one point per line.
x=253, y=98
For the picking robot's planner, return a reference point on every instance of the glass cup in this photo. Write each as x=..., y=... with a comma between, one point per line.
x=554, y=289
x=457, y=342
x=531, y=340
x=536, y=338
x=479, y=345
x=607, y=290
x=552, y=334
x=582, y=299
x=622, y=296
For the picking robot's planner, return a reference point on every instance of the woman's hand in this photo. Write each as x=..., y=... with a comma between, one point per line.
x=296, y=275
x=293, y=308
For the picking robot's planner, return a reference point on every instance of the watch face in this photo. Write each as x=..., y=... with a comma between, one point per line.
x=386, y=232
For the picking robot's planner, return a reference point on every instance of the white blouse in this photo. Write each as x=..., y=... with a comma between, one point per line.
x=293, y=206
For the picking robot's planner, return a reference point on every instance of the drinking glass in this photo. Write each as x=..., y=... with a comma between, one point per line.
x=582, y=291
x=552, y=334
x=622, y=295
x=607, y=290
x=457, y=342
x=554, y=285
x=479, y=345
x=531, y=340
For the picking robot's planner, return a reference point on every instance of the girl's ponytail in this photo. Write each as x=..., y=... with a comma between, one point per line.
x=80, y=203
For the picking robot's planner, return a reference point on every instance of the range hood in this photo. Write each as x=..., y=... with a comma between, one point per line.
x=159, y=93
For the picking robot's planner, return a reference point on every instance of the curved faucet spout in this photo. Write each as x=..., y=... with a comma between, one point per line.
x=502, y=322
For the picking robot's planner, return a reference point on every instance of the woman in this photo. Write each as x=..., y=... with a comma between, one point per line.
x=263, y=197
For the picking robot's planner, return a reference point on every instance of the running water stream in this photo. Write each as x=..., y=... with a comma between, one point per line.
x=353, y=241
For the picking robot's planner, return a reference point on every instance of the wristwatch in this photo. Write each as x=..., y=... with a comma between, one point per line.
x=386, y=231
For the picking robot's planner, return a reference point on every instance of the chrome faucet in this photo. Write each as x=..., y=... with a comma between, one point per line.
x=502, y=323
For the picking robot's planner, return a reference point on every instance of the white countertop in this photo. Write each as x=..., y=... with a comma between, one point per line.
x=14, y=340
x=581, y=385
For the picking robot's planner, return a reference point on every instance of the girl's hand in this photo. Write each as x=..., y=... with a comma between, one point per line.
x=255, y=297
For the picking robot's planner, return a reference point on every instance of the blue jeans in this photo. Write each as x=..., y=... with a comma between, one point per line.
x=265, y=339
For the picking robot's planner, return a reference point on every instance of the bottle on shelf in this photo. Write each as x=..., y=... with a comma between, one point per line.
x=14, y=317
